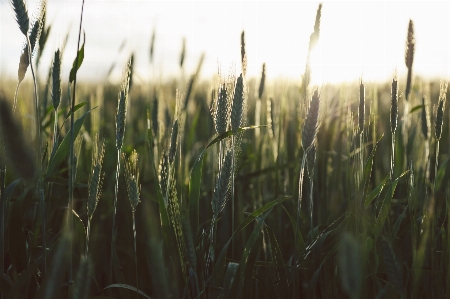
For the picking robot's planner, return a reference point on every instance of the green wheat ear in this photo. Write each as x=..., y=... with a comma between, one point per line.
x=312, y=122
x=21, y=15
x=238, y=104
x=394, y=105
x=440, y=110
x=132, y=179
x=33, y=35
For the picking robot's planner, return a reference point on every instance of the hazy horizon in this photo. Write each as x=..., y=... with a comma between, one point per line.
x=357, y=39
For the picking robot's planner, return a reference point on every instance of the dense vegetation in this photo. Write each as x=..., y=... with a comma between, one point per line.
x=229, y=188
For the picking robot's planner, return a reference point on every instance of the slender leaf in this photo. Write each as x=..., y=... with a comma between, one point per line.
x=126, y=287
x=281, y=287
x=64, y=147
x=77, y=62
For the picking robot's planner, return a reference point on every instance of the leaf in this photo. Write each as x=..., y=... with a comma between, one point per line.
x=64, y=147
x=75, y=109
x=238, y=283
x=219, y=267
x=441, y=174
x=300, y=241
x=385, y=206
x=416, y=108
x=368, y=166
x=375, y=192
x=77, y=61
x=126, y=287
x=194, y=195
x=398, y=222
x=281, y=282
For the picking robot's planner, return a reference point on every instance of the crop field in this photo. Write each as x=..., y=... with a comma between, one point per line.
x=226, y=187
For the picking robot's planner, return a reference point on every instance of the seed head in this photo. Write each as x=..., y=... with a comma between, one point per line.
x=311, y=126
x=440, y=110
x=394, y=105
x=238, y=104
x=56, y=76
x=362, y=99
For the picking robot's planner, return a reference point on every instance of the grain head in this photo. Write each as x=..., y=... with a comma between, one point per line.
x=132, y=179
x=222, y=111
x=394, y=104
x=425, y=118
x=56, y=80
x=362, y=100
x=21, y=15
x=238, y=104
x=262, y=82
x=440, y=110
x=311, y=126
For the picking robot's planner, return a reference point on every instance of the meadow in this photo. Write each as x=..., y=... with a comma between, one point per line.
x=232, y=187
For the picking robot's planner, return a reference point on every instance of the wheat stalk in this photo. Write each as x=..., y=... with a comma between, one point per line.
x=236, y=122
x=425, y=126
x=133, y=187
x=309, y=134
x=120, y=132
x=95, y=184
x=394, y=116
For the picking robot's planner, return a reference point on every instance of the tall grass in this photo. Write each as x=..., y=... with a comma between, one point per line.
x=223, y=217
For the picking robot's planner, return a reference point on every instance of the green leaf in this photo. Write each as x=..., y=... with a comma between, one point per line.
x=126, y=287
x=416, y=108
x=280, y=279
x=441, y=174
x=219, y=267
x=194, y=195
x=375, y=192
x=77, y=62
x=398, y=222
x=300, y=241
x=75, y=109
x=239, y=280
x=368, y=166
x=64, y=148
x=385, y=206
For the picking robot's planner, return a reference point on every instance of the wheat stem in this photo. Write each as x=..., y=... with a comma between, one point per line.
x=43, y=228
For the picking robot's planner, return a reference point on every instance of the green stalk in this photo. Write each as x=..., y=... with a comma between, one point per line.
x=232, y=197
x=135, y=253
x=43, y=228
x=113, y=233
x=72, y=157
x=2, y=218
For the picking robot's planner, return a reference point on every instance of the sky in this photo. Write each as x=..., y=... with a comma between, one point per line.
x=357, y=39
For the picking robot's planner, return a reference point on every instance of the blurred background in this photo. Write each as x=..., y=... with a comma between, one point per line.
x=357, y=39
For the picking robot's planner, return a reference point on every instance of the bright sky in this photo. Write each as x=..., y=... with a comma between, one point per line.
x=356, y=39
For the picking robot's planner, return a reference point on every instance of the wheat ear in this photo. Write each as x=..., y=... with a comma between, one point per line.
x=133, y=187
x=439, y=124
x=409, y=57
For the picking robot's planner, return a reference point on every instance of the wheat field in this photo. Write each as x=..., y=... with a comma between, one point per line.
x=229, y=187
